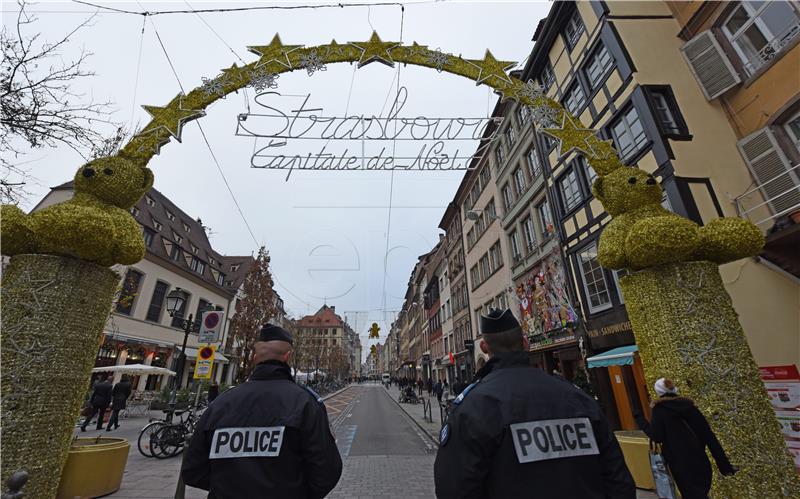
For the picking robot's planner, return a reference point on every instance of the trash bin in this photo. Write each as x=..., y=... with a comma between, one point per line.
x=94, y=467
x=636, y=450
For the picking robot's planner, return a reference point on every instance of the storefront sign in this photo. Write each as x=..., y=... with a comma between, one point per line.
x=624, y=327
x=552, y=338
x=204, y=363
x=783, y=387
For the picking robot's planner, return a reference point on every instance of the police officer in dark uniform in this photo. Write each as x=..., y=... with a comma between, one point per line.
x=520, y=432
x=268, y=437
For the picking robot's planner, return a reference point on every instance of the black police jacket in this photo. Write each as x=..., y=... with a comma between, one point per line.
x=267, y=437
x=519, y=432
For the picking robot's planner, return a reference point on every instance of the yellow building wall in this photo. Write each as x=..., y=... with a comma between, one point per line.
x=752, y=108
x=638, y=8
x=767, y=302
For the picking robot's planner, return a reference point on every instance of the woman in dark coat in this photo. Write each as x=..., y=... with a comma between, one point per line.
x=119, y=395
x=684, y=433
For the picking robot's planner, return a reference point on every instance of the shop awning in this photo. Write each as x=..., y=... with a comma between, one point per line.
x=191, y=353
x=622, y=356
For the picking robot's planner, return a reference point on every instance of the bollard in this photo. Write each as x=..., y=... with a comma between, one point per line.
x=15, y=483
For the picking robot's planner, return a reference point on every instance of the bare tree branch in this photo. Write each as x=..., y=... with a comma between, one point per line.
x=39, y=106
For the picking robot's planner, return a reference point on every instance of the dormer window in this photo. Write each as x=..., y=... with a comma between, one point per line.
x=171, y=217
x=157, y=225
x=186, y=228
x=135, y=211
x=150, y=201
x=213, y=262
x=178, y=238
x=195, y=250
x=234, y=268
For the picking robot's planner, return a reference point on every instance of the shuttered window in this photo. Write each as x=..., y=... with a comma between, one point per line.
x=157, y=302
x=709, y=64
x=771, y=169
x=130, y=288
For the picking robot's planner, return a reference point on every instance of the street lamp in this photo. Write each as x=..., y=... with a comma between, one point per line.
x=176, y=303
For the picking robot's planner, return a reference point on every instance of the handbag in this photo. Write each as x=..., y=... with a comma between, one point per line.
x=665, y=486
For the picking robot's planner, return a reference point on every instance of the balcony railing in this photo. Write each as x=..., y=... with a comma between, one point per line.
x=771, y=49
x=788, y=206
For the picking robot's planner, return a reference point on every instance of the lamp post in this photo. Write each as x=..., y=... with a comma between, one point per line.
x=176, y=301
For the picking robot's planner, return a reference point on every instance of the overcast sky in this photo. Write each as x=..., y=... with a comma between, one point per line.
x=326, y=231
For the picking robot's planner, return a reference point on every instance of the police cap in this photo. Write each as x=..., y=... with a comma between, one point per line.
x=271, y=332
x=498, y=321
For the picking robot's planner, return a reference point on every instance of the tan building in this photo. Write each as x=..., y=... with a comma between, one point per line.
x=485, y=245
x=322, y=343
x=462, y=342
x=622, y=68
x=178, y=256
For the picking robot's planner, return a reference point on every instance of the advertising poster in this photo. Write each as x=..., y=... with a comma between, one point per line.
x=783, y=388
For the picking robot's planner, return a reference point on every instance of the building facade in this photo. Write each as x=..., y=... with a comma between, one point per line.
x=179, y=257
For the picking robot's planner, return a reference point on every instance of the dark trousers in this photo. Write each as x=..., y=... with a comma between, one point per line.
x=95, y=410
x=114, y=419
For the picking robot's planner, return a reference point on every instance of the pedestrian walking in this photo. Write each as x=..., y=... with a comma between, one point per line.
x=268, y=437
x=684, y=433
x=119, y=397
x=438, y=389
x=446, y=388
x=101, y=397
x=518, y=432
x=213, y=392
x=429, y=386
x=419, y=387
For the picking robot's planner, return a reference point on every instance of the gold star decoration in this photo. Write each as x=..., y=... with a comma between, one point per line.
x=235, y=74
x=171, y=117
x=417, y=49
x=161, y=139
x=374, y=50
x=274, y=52
x=334, y=49
x=570, y=137
x=490, y=67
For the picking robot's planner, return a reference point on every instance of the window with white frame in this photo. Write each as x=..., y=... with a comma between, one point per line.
x=157, y=225
x=516, y=254
x=600, y=62
x=573, y=30
x=486, y=268
x=534, y=167
x=511, y=137
x=591, y=175
x=485, y=177
x=475, y=276
x=545, y=219
x=594, y=281
x=628, y=133
x=134, y=211
x=548, y=76
x=523, y=114
x=496, y=256
x=490, y=211
x=170, y=216
x=661, y=102
x=575, y=98
x=178, y=238
x=570, y=190
x=529, y=233
x=519, y=181
x=499, y=156
x=792, y=128
x=150, y=201
x=508, y=197
x=759, y=30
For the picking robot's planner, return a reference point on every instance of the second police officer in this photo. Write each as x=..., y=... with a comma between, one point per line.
x=520, y=432
x=268, y=437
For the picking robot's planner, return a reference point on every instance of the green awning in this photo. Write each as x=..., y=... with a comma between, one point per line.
x=622, y=356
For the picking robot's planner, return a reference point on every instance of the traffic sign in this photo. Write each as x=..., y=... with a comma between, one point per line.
x=211, y=326
x=205, y=362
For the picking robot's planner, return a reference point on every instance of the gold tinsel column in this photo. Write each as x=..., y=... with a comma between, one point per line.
x=53, y=312
x=687, y=330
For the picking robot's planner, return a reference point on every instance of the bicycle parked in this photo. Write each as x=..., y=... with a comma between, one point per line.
x=162, y=438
